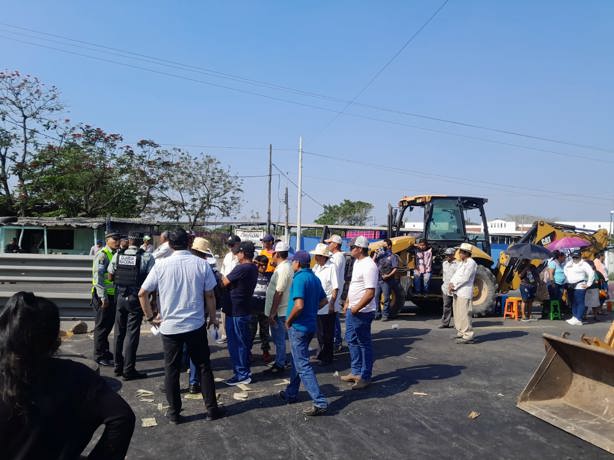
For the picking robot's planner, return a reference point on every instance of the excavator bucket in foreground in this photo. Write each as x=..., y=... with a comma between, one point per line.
x=573, y=389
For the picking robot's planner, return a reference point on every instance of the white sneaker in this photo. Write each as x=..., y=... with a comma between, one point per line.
x=577, y=322
x=570, y=321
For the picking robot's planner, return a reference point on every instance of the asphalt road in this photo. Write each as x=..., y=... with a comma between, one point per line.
x=423, y=389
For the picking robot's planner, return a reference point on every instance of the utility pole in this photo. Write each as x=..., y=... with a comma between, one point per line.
x=268, y=214
x=300, y=194
x=286, y=227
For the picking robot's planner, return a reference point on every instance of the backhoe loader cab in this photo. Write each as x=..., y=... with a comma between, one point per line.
x=445, y=220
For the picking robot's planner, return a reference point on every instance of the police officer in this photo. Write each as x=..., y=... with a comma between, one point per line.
x=103, y=299
x=129, y=268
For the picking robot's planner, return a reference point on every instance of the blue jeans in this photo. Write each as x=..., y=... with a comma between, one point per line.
x=555, y=291
x=338, y=341
x=194, y=374
x=421, y=282
x=239, y=344
x=385, y=288
x=358, y=337
x=302, y=370
x=577, y=308
x=278, y=334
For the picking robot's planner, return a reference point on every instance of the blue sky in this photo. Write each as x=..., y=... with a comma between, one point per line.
x=539, y=68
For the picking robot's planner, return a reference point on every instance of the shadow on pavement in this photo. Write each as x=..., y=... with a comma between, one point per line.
x=499, y=336
x=397, y=381
x=151, y=357
x=486, y=323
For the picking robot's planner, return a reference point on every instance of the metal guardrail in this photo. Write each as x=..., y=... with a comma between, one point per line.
x=64, y=279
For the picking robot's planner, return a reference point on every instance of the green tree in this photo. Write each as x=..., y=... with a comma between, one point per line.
x=28, y=111
x=197, y=189
x=88, y=175
x=345, y=213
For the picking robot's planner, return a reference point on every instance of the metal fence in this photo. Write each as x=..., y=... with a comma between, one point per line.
x=66, y=280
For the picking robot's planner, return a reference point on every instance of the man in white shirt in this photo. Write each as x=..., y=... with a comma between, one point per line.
x=164, y=250
x=184, y=283
x=230, y=259
x=448, y=267
x=276, y=304
x=580, y=276
x=461, y=287
x=327, y=274
x=360, y=311
x=338, y=259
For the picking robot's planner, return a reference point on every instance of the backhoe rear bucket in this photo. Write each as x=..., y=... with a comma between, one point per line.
x=573, y=389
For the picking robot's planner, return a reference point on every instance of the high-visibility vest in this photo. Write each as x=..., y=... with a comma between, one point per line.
x=108, y=284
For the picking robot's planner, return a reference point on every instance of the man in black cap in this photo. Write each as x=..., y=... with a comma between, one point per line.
x=241, y=282
x=228, y=264
x=129, y=269
x=267, y=250
x=103, y=299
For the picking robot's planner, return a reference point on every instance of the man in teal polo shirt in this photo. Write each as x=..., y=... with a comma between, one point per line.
x=306, y=298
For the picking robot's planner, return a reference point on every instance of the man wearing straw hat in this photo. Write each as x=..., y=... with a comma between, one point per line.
x=326, y=272
x=461, y=287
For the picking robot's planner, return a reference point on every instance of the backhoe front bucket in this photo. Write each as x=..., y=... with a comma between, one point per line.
x=573, y=389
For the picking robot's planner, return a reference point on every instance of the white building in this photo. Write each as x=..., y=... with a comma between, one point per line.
x=508, y=227
x=592, y=225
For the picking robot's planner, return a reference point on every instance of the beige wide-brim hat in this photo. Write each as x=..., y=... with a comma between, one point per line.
x=466, y=247
x=321, y=250
x=201, y=244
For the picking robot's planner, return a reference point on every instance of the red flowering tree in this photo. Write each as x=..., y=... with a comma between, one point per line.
x=28, y=116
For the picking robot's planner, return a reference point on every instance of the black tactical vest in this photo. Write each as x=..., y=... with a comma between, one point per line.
x=128, y=271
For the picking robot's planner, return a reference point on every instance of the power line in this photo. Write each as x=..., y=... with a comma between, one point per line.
x=312, y=106
x=386, y=65
x=274, y=86
x=294, y=183
x=516, y=189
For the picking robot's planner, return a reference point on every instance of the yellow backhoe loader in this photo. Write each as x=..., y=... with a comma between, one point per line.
x=444, y=226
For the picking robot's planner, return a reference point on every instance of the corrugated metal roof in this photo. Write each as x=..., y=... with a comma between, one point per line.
x=77, y=222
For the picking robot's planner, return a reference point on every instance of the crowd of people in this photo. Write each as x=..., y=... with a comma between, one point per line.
x=273, y=294
x=277, y=296
x=578, y=283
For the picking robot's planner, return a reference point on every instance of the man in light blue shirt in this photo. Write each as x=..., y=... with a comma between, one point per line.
x=184, y=283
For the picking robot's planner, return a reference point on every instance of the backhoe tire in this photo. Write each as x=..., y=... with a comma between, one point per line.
x=484, y=291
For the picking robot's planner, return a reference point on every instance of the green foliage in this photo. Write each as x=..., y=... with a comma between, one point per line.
x=87, y=176
x=345, y=213
x=197, y=189
x=87, y=172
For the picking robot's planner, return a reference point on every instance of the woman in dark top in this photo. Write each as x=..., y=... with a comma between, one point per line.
x=49, y=407
x=529, y=278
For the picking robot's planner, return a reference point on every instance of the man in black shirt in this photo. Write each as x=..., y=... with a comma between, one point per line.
x=241, y=282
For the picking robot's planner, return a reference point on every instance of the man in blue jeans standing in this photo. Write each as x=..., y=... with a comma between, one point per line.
x=241, y=282
x=306, y=298
x=387, y=264
x=360, y=311
x=276, y=304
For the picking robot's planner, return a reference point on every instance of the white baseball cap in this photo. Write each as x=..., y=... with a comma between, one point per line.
x=281, y=247
x=334, y=239
x=321, y=250
x=360, y=242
